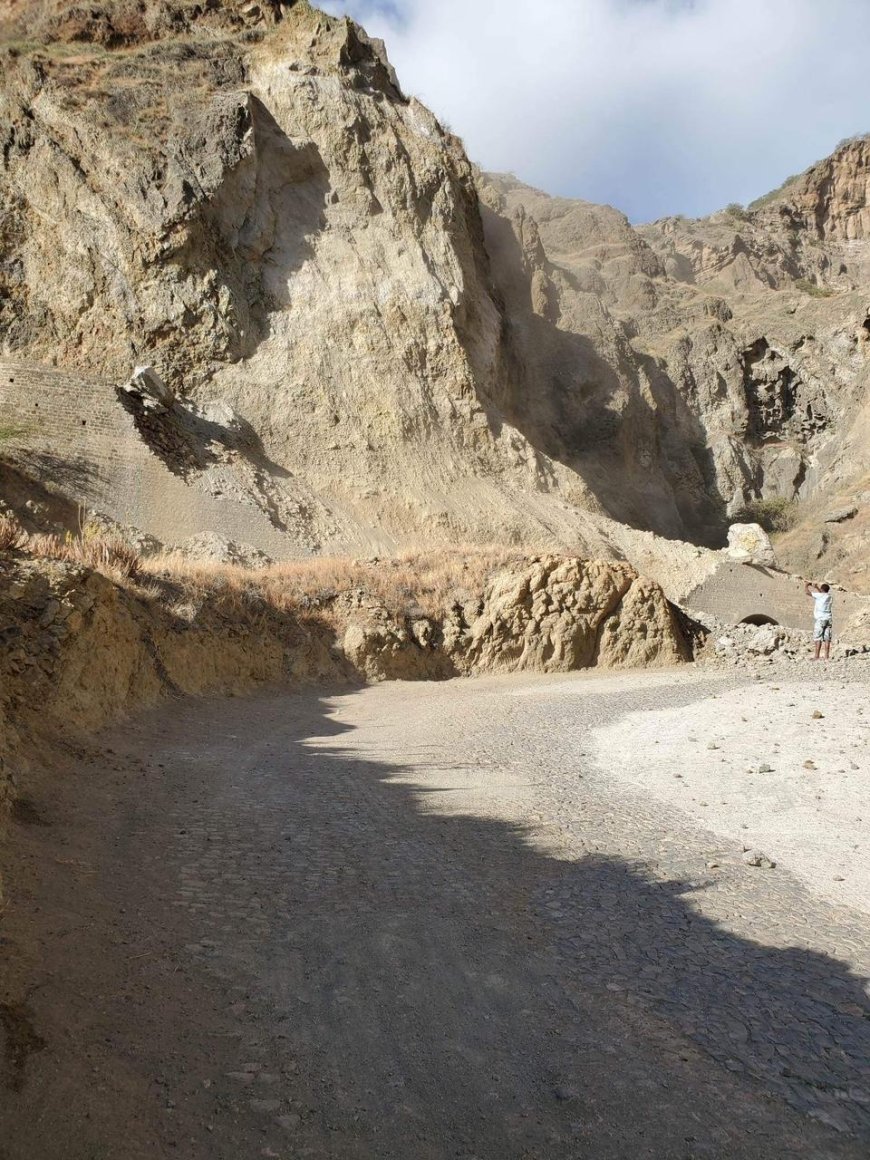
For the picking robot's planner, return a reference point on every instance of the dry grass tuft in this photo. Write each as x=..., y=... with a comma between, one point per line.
x=413, y=583
x=12, y=535
x=110, y=555
x=422, y=582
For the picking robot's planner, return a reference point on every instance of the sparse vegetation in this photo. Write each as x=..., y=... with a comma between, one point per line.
x=736, y=210
x=414, y=581
x=774, y=194
x=12, y=535
x=107, y=554
x=774, y=515
x=812, y=289
x=851, y=140
x=421, y=583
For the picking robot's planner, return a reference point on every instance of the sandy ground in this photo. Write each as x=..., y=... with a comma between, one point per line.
x=809, y=811
x=434, y=921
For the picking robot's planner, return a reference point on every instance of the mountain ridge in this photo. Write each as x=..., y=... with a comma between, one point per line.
x=242, y=196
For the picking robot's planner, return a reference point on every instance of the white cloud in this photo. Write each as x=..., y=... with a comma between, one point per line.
x=656, y=106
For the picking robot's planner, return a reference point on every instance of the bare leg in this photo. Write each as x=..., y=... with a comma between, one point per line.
x=818, y=647
x=827, y=650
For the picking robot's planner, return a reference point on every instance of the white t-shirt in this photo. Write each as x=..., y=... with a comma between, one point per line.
x=824, y=605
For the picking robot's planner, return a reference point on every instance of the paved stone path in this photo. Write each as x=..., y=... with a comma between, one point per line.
x=420, y=921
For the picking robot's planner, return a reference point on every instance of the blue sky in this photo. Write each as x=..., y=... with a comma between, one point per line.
x=655, y=106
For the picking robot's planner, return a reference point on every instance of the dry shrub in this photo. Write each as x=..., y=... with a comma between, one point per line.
x=419, y=581
x=110, y=555
x=46, y=546
x=12, y=535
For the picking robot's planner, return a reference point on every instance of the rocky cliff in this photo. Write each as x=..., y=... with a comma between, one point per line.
x=242, y=196
x=263, y=215
x=750, y=329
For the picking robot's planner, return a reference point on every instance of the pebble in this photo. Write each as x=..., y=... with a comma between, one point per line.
x=758, y=858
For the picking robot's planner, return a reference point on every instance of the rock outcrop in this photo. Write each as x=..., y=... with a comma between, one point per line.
x=241, y=197
x=554, y=614
x=77, y=649
x=747, y=330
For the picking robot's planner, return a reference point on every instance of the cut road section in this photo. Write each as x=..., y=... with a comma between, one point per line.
x=429, y=921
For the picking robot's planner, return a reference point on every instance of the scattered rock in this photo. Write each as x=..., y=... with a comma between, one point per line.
x=146, y=382
x=212, y=548
x=766, y=639
x=99, y=524
x=838, y=515
x=816, y=715
x=564, y=1093
x=750, y=643
x=758, y=858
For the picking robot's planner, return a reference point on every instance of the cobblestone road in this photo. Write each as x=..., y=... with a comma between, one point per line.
x=425, y=921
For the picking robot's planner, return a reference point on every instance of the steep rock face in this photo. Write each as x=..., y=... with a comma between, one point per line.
x=812, y=228
x=795, y=270
x=241, y=195
x=559, y=615
x=266, y=218
x=749, y=330
x=572, y=276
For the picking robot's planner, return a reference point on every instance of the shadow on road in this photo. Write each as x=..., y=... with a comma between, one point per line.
x=429, y=985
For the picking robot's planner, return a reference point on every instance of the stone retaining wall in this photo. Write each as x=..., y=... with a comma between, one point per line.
x=737, y=591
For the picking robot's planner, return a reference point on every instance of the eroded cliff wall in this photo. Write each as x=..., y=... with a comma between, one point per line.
x=242, y=196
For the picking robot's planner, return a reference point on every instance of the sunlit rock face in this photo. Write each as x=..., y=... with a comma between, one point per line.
x=242, y=197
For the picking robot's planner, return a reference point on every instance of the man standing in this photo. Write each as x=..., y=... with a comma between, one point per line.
x=823, y=614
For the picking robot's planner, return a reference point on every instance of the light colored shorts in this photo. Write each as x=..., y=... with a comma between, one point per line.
x=822, y=630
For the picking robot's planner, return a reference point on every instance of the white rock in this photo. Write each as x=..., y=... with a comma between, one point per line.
x=766, y=639
x=750, y=544
x=211, y=547
x=146, y=381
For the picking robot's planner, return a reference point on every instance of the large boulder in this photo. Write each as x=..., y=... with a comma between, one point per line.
x=552, y=614
x=750, y=544
x=562, y=613
x=146, y=383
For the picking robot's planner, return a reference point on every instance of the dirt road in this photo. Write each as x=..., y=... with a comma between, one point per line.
x=421, y=921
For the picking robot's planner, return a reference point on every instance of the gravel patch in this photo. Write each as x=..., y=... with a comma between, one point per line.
x=782, y=767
